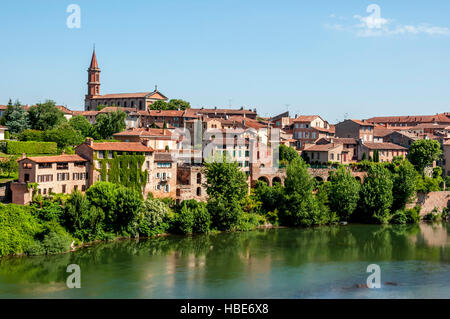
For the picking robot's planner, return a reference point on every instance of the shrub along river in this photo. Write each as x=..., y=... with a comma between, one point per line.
x=322, y=262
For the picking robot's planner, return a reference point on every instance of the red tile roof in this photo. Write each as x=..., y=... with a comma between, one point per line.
x=64, y=109
x=321, y=147
x=56, y=159
x=306, y=118
x=363, y=123
x=120, y=146
x=85, y=113
x=443, y=117
x=145, y=132
x=383, y=146
x=129, y=95
x=381, y=131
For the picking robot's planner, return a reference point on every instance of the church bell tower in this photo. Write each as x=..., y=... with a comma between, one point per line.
x=93, y=81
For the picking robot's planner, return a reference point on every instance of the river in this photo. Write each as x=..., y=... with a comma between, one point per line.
x=322, y=262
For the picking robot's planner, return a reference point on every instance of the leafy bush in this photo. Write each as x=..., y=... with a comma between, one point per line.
x=250, y=221
x=184, y=220
x=399, y=217
x=31, y=135
x=31, y=147
x=375, y=196
x=56, y=243
x=202, y=219
x=153, y=219
x=18, y=226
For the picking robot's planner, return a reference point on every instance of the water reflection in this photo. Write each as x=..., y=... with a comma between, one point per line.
x=216, y=265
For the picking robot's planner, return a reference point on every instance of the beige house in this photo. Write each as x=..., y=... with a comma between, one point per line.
x=324, y=153
x=386, y=151
x=357, y=129
x=52, y=174
x=158, y=139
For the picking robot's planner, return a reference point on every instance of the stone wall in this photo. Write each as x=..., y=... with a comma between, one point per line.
x=5, y=192
x=429, y=201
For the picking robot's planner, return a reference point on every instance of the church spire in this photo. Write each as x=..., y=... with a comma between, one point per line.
x=94, y=64
x=93, y=77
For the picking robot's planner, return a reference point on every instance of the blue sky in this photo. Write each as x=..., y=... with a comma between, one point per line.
x=311, y=57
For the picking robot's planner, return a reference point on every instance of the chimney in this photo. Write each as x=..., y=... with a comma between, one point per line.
x=63, y=152
x=146, y=142
x=24, y=155
x=89, y=141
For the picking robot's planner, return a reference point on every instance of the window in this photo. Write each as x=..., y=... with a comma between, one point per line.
x=83, y=188
x=62, y=177
x=27, y=165
x=63, y=188
x=45, y=178
x=45, y=165
x=164, y=165
x=199, y=178
x=199, y=191
x=62, y=166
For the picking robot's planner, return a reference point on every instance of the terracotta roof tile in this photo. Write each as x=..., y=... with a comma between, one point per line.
x=120, y=146
x=383, y=146
x=56, y=159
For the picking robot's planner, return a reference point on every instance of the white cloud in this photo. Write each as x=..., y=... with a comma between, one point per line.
x=376, y=26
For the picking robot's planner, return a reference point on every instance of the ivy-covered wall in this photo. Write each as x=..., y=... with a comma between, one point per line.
x=124, y=169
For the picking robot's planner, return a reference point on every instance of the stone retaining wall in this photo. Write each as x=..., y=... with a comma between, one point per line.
x=429, y=201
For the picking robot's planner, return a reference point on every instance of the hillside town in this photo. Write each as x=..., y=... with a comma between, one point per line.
x=174, y=144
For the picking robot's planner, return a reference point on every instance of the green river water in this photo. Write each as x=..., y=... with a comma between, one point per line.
x=322, y=262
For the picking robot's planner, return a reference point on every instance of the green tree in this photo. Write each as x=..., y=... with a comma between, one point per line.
x=302, y=207
x=225, y=180
x=404, y=187
x=173, y=104
x=9, y=165
x=287, y=154
x=31, y=135
x=128, y=205
x=272, y=198
x=64, y=135
x=376, y=156
x=103, y=196
x=15, y=118
x=178, y=104
x=45, y=116
x=376, y=196
x=343, y=193
x=184, y=220
x=80, y=123
x=108, y=124
x=80, y=218
x=159, y=105
x=423, y=153
x=154, y=218
x=227, y=188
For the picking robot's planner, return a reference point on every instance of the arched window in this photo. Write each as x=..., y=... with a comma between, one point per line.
x=199, y=178
x=199, y=191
